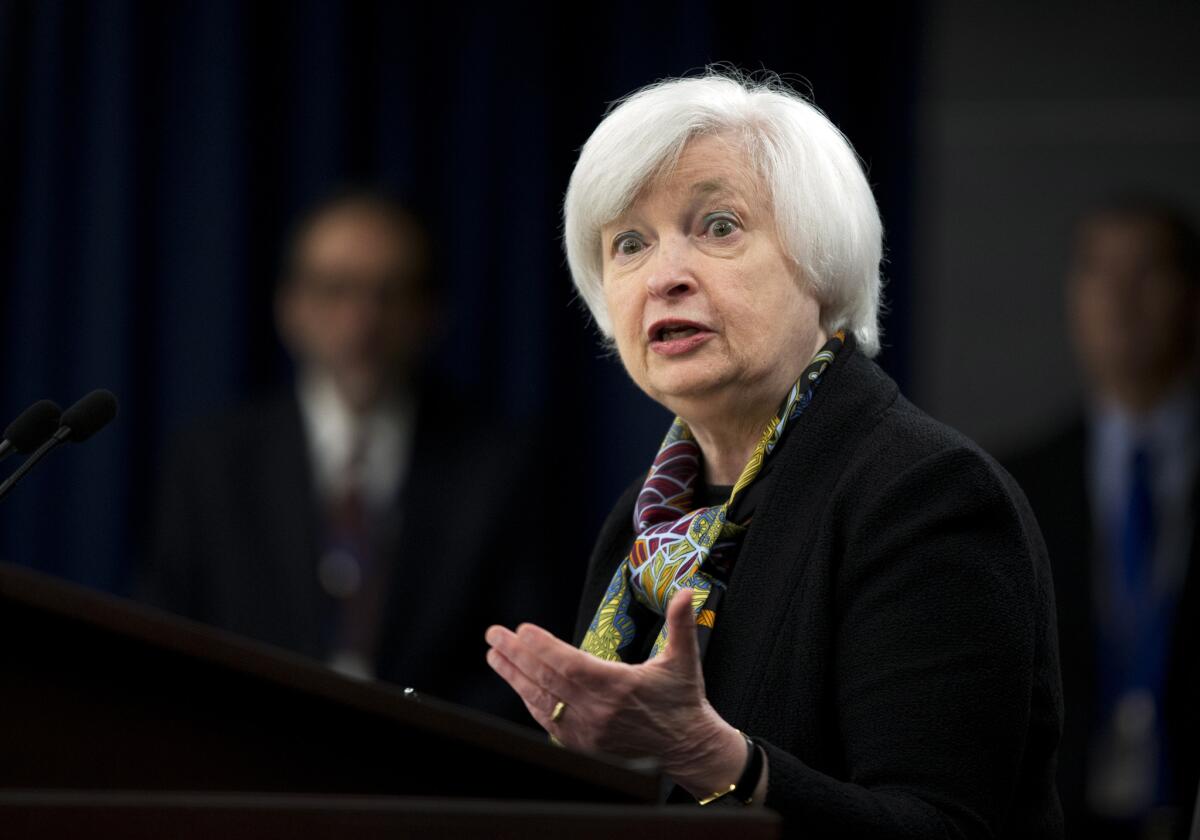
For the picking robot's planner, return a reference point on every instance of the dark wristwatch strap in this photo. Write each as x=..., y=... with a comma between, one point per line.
x=743, y=791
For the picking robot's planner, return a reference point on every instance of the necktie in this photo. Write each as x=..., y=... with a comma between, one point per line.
x=349, y=572
x=1137, y=533
x=347, y=543
x=1130, y=769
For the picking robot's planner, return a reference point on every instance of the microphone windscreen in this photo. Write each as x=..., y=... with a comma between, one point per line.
x=34, y=426
x=91, y=414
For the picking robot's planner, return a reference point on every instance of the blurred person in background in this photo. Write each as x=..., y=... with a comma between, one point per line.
x=1115, y=495
x=362, y=515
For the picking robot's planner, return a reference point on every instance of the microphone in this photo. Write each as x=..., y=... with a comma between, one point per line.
x=88, y=416
x=78, y=423
x=31, y=429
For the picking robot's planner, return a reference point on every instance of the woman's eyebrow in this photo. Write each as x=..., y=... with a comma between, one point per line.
x=619, y=225
x=709, y=186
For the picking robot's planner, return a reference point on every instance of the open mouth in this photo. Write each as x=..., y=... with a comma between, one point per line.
x=672, y=333
x=674, y=337
x=674, y=329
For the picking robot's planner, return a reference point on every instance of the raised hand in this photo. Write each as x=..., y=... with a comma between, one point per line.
x=656, y=709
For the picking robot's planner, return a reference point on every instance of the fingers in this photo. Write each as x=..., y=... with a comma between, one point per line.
x=575, y=666
x=522, y=649
x=543, y=639
x=538, y=701
x=682, y=645
x=564, y=672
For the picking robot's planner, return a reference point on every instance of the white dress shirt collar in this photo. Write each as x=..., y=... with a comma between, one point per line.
x=332, y=428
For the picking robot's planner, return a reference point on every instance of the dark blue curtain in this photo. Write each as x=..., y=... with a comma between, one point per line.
x=152, y=155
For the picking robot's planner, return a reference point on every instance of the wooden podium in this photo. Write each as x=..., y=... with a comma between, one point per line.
x=118, y=720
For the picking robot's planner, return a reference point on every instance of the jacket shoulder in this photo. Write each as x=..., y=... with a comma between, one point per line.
x=912, y=466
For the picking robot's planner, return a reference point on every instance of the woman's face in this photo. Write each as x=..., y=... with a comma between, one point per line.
x=708, y=314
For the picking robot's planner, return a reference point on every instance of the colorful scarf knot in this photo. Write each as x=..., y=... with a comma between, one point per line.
x=678, y=546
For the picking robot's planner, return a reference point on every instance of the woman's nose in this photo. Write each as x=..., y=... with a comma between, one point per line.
x=671, y=274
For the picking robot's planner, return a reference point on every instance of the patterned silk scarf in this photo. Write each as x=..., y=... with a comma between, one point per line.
x=680, y=547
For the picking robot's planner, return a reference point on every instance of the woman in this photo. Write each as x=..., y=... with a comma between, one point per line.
x=819, y=599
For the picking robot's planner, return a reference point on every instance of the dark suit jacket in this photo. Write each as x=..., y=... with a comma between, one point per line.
x=238, y=532
x=1053, y=476
x=888, y=630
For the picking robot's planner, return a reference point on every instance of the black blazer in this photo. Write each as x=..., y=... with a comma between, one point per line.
x=1054, y=476
x=888, y=632
x=237, y=538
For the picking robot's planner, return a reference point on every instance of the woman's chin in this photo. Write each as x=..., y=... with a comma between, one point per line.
x=682, y=389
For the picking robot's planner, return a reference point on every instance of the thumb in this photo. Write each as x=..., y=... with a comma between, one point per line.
x=682, y=645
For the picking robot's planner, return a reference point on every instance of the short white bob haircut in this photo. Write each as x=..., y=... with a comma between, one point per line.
x=827, y=219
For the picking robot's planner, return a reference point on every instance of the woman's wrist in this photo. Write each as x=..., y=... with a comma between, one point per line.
x=716, y=762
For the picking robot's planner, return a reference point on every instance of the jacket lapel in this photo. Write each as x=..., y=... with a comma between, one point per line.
x=281, y=492
x=774, y=574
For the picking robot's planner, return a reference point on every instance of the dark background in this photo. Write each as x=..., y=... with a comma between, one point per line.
x=152, y=156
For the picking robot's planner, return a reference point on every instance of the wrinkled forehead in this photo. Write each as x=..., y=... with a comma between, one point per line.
x=706, y=166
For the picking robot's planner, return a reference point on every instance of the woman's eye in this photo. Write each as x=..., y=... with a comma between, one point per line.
x=628, y=244
x=722, y=226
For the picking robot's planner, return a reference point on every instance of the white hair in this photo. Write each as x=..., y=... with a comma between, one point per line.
x=827, y=219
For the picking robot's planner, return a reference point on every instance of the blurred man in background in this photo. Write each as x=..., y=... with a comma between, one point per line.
x=362, y=516
x=1116, y=496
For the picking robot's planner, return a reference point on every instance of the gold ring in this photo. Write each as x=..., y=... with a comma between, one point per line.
x=557, y=714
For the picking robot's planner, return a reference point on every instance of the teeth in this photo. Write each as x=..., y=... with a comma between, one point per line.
x=678, y=332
